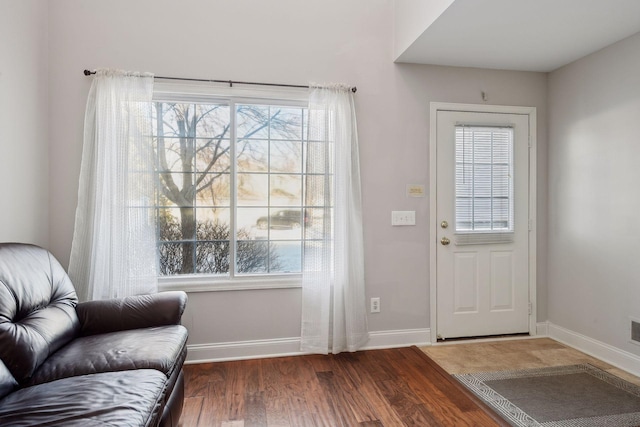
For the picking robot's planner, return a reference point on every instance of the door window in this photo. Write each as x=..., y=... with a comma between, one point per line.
x=484, y=183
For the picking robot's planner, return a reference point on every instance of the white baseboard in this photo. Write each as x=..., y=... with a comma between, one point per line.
x=614, y=356
x=257, y=349
x=542, y=329
x=398, y=338
x=241, y=350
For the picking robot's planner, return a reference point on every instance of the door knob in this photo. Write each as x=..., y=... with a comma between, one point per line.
x=445, y=241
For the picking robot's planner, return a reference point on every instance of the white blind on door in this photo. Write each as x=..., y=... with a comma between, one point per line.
x=484, y=184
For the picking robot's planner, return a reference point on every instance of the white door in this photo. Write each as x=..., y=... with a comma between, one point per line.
x=482, y=213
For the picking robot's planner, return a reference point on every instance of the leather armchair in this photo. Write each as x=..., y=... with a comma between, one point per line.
x=116, y=362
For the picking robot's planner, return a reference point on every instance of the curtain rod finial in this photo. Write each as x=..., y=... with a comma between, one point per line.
x=88, y=73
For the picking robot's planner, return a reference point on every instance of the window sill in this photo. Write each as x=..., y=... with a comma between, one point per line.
x=211, y=284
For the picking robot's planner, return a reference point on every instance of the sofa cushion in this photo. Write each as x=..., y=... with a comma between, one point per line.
x=37, y=308
x=132, y=398
x=162, y=348
x=7, y=382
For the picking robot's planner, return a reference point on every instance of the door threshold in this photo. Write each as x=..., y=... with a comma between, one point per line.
x=486, y=338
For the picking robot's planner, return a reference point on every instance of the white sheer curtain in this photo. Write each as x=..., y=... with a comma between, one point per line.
x=113, y=252
x=334, y=315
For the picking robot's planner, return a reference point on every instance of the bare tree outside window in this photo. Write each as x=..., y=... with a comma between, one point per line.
x=199, y=158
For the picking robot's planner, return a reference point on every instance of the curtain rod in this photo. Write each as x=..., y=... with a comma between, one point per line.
x=229, y=82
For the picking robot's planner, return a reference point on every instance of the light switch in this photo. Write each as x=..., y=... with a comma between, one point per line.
x=403, y=217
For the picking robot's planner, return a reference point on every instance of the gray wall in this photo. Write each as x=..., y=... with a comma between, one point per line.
x=24, y=201
x=594, y=194
x=293, y=42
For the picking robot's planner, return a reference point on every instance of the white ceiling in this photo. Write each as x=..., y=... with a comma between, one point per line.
x=531, y=35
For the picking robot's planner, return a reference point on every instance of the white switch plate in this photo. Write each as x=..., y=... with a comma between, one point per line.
x=403, y=217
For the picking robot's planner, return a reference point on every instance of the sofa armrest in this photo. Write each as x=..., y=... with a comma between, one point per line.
x=139, y=311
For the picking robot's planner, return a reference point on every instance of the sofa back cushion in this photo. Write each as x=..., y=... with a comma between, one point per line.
x=37, y=308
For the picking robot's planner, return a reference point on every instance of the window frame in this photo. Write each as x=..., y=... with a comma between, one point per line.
x=232, y=96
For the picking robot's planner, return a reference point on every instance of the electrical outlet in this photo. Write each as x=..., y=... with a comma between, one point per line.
x=375, y=305
x=634, y=330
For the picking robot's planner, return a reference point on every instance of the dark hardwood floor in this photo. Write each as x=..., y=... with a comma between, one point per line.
x=394, y=387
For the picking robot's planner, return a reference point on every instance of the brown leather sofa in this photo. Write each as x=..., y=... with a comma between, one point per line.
x=64, y=363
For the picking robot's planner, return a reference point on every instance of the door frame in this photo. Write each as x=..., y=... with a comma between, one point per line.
x=433, y=220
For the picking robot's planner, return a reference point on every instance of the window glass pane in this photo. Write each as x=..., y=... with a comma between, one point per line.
x=168, y=154
x=252, y=121
x=217, y=216
x=192, y=148
x=288, y=258
x=286, y=156
x=252, y=256
x=214, y=190
x=285, y=123
x=211, y=121
x=213, y=155
x=169, y=225
x=176, y=223
x=171, y=257
x=171, y=119
x=253, y=155
x=252, y=223
x=484, y=179
x=286, y=223
x=173, y=182
x=213, y=236
x=285, y=190
x=212, y=257
x=253, y=189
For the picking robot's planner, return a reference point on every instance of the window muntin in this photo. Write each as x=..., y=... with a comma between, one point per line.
x=484, y=199
x=230, y=187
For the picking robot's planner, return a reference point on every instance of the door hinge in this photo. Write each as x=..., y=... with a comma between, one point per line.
x=530, y=307
x=530, y=225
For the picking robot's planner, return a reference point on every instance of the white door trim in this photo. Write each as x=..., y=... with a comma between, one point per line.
x=433, y=220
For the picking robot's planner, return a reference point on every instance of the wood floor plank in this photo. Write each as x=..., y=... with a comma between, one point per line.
x=433, y=388
x=235, y=391
x=376, y=388
x=197, y=378
x=255, y=409
x=191, y=410
x=303, y=420
x=357, y=385
x=458, y=391
x=278, y=412
x=339, y=412
x=213, y=411
x=406, y=404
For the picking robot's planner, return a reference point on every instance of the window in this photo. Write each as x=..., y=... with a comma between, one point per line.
x=230, y=187
x=483, y=182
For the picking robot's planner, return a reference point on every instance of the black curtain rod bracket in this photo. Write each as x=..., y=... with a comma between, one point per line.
x=229, y=82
